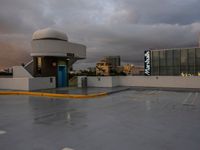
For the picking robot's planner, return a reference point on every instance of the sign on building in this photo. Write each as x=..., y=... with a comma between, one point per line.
x=147, y=63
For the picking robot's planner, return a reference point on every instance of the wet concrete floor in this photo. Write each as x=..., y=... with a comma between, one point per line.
x=140, y=120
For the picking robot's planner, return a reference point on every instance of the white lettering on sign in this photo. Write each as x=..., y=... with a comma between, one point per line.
x=147, y=65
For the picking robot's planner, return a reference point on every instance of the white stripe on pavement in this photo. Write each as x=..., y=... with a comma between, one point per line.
x=186, y=99
x=195, y=98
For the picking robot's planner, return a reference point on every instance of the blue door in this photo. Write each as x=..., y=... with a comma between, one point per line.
x=62, y=76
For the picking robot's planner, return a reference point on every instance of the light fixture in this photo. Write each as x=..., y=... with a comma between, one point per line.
x=54, y=64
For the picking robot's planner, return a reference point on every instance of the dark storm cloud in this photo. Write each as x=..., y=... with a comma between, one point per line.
x=22, y=16
x=106, y=27
x=130, y=41
x=160, y=11
x=18, y=19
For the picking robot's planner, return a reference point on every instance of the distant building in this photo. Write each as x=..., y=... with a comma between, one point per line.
x=108, y=66
x=103, y=68
x=138, y=70
x=114, y=61
x=8, y=70
x=172, y=62
x=92, y=69
x=119, y=69
x=130, y=69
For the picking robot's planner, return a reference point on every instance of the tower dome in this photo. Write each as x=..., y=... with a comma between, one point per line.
x=49, y=33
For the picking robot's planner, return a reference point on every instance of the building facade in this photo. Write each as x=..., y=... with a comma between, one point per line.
x=130, y=69
x=54, y=55
x=103, y=68
x=114, y=61
x=108, y=66
x=172, y=62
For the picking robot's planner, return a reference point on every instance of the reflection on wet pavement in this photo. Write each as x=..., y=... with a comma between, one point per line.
x=147, y=119
x=84, y=91
x=2, y=132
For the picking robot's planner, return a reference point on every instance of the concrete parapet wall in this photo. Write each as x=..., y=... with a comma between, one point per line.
x=161, y=81
x=27, y=84
x=144, y=81
x=97, y=81
x=42, y=83
x=14, y=83
x=100, y=82
x=21, y=72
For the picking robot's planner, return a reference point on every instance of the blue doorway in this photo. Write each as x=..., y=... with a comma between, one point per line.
x=62, y=76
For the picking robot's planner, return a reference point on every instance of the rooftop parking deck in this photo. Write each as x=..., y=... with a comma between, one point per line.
x=141, y=120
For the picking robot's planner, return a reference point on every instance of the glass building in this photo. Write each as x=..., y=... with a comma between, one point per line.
x=173, y=62
x=114, y=61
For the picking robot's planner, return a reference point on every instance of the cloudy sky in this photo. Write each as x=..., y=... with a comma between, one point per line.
x=106, y=27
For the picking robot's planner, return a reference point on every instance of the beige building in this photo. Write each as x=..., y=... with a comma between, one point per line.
x=130, y=69
x=103, y=68
x=110, y=65
x=138, y=70
x=114, y=61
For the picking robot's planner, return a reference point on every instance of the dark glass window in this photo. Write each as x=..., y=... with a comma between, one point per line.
x=177, y=61
x=197, y=67
x=162, y=67
x=39, y=62
x=184, y=61
x=155, y=62
x=39, y=66
x=191, y=61
x=169, y=62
